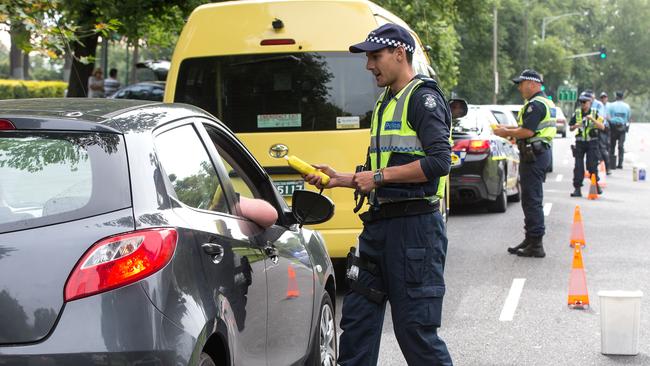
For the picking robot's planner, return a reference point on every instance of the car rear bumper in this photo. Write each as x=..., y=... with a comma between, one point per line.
x=117, y=327
x=468, y=188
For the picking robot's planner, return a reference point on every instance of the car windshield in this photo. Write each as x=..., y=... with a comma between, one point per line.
x=469, y=123
x=281, y=92
x=47, y=178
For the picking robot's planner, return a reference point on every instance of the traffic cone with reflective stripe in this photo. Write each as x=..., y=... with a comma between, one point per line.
x=603, y=173
x=292, y=285
x=578, y=296
x=577, y=230
x=593, y=188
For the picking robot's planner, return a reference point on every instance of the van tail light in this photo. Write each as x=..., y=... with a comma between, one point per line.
x=277, y=42
x=472, y=146
x=120, y=260
x=6, y=125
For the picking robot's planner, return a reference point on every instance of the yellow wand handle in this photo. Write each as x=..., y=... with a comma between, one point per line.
x=305, y=168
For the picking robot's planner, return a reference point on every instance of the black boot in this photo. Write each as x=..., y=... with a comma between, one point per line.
x=598, y=189
x=535, y=248
x=522, y=245
x=576, y=192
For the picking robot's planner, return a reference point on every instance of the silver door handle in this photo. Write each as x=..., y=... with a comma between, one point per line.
x=215, y=250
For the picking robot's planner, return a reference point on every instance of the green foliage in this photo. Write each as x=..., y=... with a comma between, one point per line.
x=18, y=89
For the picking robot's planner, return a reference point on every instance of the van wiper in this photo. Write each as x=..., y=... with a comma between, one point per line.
x=269, y=59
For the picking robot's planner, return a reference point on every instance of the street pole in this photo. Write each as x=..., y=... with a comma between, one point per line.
x=494, y=55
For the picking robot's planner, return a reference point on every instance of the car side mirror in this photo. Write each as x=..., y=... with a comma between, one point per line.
x=311, y=208
x=458, y=108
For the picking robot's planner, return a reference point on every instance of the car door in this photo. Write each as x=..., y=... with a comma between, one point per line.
x=233, y=282
x=289, y=270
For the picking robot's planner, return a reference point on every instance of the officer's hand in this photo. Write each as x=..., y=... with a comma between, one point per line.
x=364, y=181
x=500, y=132
x=315, y=179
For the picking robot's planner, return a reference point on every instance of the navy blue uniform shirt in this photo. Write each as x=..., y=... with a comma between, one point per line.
x=534, y=113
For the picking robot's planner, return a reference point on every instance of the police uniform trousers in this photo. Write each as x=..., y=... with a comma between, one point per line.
x=603, y=144
x=588, y=149
x=531, y=179
x=410, y=255
x=618, y=136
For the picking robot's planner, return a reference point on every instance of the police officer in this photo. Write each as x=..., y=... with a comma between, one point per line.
x=534, y=134
x=588, y=123
x=619, y=114
x=403, y=245
x=605, y=135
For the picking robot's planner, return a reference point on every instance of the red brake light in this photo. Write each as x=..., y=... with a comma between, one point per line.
x=120, y=260
x=6, y=125
x=277, y=42
x=472, y=146
x=460, y=145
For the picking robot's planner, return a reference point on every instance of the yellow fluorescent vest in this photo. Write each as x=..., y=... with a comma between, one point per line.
x=583, y=133
x=546, y=129
x=395, y=133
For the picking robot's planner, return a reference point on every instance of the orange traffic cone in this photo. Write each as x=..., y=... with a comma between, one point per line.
x=578, y=296
x=577, y=230
x=603, y=173
x=587, y=174
x=593, y=189
x=292, y=285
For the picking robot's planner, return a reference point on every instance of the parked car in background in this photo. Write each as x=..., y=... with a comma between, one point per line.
x=561, y=122
x=485, y=167
x=146, y=90
x=125, y=238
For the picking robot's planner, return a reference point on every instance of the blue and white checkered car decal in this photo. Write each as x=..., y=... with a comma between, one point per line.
x=391, y=42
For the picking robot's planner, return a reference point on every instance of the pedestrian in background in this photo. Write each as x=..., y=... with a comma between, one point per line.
x=620, y=115
x=605, y=135
x=111, y=84
x=588, y=123
x=96, y=84
x=535, y=132
x=403, y=245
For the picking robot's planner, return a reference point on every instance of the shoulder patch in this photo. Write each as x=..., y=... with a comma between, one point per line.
x=530, y=109
x=429, y=102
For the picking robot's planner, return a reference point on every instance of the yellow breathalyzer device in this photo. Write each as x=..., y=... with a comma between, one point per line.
x=306, y=168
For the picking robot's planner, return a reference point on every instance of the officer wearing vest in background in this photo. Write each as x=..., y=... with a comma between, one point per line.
x=605, y=135
x=619, y=119
x=403, y=245
x=588, y=123
x=535, y=132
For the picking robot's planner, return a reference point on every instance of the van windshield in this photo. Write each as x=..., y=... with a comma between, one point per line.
x=281, y=92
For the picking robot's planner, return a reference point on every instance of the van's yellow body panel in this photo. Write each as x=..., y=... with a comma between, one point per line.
x=238, y=27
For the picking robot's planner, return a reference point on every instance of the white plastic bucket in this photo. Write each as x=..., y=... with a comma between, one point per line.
x=620, y=319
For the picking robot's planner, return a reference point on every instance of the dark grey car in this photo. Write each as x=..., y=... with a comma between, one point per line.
x=122, y=242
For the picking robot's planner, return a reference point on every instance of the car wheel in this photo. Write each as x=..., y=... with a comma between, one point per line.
x=500, y=204
x=517, y=196
x=323, y=352
x=206, y=360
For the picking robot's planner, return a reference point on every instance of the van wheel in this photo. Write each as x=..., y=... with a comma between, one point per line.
x=323, y=351
x=501, y=202
x=206, y=360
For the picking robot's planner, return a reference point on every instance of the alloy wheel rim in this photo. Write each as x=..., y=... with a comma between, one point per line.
x=327, y=337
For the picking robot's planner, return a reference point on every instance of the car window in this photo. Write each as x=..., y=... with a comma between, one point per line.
x=501, y=118
x=49, y=178
x=190, y=170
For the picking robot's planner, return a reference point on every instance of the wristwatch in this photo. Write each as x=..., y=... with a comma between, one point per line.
x=378, y=177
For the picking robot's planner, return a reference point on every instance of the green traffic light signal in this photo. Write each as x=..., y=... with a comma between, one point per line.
x=543, y=87
x=603, y=53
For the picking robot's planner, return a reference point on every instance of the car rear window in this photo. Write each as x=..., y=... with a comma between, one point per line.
x=50, y=177
x=281, y=92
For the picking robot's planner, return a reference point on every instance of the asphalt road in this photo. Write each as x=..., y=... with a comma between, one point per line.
x=544, y=330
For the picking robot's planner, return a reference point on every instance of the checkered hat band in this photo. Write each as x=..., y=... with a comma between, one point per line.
x=391, y=42
x=530, y=78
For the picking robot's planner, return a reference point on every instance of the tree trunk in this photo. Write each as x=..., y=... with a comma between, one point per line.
x=15, y=54
x=26, y=75
x=67, y=64
x=85, y=48
x=136, y=56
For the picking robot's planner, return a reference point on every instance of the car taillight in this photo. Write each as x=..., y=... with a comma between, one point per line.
x=120, y=260
x=472, y=146
x=277, y=42
x=6, y=125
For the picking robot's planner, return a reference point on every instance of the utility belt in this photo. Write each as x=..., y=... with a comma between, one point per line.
x=356, y=263
x=528, y=151
x=392, y=209
x=618, y=127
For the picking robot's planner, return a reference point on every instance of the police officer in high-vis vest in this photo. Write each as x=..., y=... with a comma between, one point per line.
x=403, y=245
x=588, y=123
x=535, y=132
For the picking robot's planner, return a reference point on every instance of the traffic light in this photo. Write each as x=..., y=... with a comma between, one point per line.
x=603, y=53
x=543, y=87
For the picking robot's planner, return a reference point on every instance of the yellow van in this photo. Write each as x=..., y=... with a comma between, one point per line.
x=279, y=74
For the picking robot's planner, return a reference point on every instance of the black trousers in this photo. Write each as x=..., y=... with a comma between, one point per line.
x=617, y=136
x=588, y=149
x=532, y=177
x=604, y=142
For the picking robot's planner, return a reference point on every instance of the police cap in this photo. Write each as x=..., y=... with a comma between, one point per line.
x=388, y=35
x=584, y=97
x=528, y=74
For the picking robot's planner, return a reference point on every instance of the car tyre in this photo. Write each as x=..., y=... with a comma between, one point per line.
x=206, y=360
x=323, y=351
x=500, y=204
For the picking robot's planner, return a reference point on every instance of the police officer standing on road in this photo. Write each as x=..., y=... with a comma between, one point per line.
x=403, y=245
x=605, y=135
x=534, y=134
x=588, y=123
x=619, y=118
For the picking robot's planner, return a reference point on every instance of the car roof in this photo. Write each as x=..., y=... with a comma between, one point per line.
x=93, y=113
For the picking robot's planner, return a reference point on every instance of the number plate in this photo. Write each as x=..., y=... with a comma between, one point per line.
x=457, y=158
x=287, y=187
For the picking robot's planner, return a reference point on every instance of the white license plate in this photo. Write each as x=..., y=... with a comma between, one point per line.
x=287, y=187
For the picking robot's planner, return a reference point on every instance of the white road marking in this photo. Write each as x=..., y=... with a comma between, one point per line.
x=559, y=178
x=510, y=306
x=547, y=208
